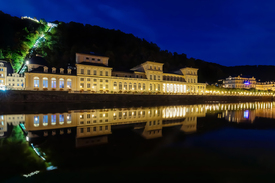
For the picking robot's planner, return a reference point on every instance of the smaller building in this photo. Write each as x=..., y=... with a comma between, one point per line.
x=268, y=85
x=15, y=82
x=5, y=69
x=240, y=82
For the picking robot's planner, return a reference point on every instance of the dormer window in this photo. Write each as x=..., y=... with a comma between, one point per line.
x=69, y=71
x=87, y=58
x=93, y=59
x=45, y=69
x=98, y=60
x=61, y=71
x=53, y=70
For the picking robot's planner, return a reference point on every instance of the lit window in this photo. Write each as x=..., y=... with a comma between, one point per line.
x=69, y=118
x=53, y=121
x=53, y=83
x=36, y=82
x=69, y=83
x=82, y=71
x=45, y=120
x=61, y=83
x=36, y=121
x=61, y=119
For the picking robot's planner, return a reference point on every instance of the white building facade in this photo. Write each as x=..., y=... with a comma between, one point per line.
x=15, y=82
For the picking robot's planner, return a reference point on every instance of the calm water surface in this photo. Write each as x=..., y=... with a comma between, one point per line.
x=213, y=142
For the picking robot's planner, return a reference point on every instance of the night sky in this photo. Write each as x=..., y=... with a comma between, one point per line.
x=232, y=32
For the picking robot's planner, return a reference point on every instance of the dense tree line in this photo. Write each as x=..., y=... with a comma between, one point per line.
x=17, y=36
x=125, y=50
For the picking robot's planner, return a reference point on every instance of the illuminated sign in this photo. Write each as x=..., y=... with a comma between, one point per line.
x=247, y=82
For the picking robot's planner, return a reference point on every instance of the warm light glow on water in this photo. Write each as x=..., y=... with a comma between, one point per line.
x=219, y=133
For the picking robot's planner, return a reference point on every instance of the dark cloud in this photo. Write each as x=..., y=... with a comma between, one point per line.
x=226, y=32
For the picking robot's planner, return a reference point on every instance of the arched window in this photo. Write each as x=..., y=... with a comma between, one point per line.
x=69, y=118
x=69, y=83
x=151, y=87
x=45, y=82
x=61, y=83
x=53, y=83
x=135, y=86
x=143, y=86
x=125, y=86
x=61, y=119
x=139, y=86
x=36, y=82
x=120, y=85
x=130, y=86
x=45, y=120
x=158, y=87
x=36, y=121
x=53, y=121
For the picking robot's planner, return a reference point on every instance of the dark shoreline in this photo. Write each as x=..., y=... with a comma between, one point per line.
x=44, y=101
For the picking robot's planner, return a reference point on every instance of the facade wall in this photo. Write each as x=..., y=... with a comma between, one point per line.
x=148, y=77
x=50, y=82
x=240, y=82
x=15, y=82
x=99, y=122
x=3, y=75
x=265, y=86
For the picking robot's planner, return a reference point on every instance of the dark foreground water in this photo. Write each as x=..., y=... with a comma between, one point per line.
x=191, y=143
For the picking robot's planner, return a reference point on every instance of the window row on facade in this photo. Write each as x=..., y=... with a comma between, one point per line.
x=52, y=119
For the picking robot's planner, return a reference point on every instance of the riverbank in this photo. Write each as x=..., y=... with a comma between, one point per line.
x=59, y=100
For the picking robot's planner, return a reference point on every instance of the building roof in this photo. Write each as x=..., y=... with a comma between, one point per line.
x=38, y=60
x=41, y=70
x=92, y=54
x=241, y=76
x=93, y=64
x=8, y=66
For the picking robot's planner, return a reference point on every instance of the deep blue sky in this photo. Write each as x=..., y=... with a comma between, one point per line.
x=228, y=32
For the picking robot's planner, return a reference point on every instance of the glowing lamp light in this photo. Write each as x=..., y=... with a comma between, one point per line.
x=27, y=62
x=36, y=119
x=103, y=115
x=27, y=139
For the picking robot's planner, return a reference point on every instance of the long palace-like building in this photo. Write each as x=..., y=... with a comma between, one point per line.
x=92, y=74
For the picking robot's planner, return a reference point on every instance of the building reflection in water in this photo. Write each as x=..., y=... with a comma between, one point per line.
x=93, y=126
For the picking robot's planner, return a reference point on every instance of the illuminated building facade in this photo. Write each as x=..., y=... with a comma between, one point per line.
x=3, y=75
x=15, y=81
x=93, y=75
x=239, y=82
x=269, y=85
x=93, y=126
